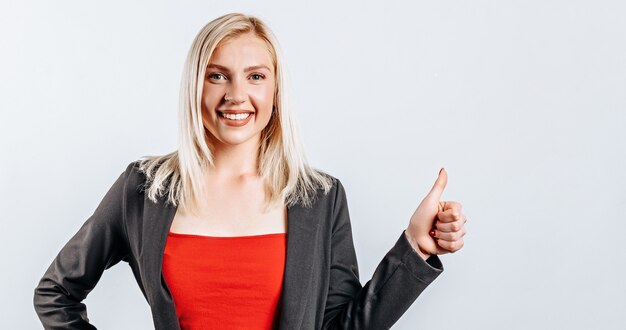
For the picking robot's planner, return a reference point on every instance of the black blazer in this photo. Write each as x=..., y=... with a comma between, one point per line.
x=321, y=287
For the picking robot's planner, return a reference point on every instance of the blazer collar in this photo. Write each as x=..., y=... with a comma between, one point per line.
x=302, y=233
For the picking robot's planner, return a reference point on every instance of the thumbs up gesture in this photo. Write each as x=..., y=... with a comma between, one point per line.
x=437, y=227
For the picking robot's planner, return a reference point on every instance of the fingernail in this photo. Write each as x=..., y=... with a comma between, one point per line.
x=431, y=233
x=440, y=170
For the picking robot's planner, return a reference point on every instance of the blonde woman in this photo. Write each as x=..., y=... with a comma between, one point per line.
x=234, y=229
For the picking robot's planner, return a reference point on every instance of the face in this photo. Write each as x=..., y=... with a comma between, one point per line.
x=238, y=92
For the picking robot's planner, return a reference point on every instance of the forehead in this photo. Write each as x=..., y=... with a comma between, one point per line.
x=242, y=51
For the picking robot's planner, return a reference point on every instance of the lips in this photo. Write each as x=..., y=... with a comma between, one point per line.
x=234, y=122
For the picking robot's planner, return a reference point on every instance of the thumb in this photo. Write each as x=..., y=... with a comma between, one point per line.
x=437, y=189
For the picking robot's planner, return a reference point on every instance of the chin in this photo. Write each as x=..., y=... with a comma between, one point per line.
x=234, y=140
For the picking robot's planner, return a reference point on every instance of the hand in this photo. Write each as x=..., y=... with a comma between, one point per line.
x=437, y=227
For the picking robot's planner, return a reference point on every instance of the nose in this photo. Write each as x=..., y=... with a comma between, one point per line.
x=236, y=93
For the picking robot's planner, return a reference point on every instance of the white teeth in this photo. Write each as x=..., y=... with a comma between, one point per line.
x=238, y=116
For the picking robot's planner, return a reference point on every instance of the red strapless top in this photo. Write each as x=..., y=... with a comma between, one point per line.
x=225, y=282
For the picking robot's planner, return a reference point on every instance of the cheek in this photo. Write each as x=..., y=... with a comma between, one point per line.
x=209, y=103
x=211, y=95
x=263, y=98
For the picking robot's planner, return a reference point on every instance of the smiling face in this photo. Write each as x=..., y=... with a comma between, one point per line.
x=238, y=91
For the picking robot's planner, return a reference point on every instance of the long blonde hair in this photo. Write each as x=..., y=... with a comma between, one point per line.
x=282, y=164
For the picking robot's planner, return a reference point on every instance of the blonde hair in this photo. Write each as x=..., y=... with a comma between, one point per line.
x=282, y=164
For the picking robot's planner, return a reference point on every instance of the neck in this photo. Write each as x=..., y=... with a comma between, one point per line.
x=235, y=161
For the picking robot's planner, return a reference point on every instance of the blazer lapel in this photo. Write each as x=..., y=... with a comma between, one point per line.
x=302, y=233
x=157, y=220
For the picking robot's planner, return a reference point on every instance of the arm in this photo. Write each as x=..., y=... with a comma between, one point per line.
x=397, y=281
x=99, y=244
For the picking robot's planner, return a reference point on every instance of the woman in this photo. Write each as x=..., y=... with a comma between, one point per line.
x=235, y=230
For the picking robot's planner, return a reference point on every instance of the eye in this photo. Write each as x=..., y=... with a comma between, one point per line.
x=216, y=76
x=257, y=76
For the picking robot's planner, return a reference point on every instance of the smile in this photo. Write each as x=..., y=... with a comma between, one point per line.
x=235, y=118
x=238, y=116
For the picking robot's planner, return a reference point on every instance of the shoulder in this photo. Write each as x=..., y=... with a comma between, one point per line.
x=134, y=180
x=327, y=175
x=333, y=181
x=140, y=171
x=135, y=176
x=331, y=206
x=335, y=195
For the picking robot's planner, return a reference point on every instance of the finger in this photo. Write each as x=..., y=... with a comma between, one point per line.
x=450, y=226
x=451, y=205
x=445, y=216
x=448, y=236
x=449, y=215
x=451, y=246
x=440, y=184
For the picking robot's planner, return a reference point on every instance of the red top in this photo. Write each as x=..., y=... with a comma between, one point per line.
x=225, y=282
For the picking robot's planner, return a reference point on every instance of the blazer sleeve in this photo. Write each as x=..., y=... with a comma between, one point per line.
x=98, y=245
x=396, y=283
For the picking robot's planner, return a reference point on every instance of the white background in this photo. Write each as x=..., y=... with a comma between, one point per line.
x=523, y=102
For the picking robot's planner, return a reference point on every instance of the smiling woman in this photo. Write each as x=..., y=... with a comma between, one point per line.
x=235, y=229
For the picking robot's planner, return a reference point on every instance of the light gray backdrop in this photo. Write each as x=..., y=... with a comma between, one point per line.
x=523, y=102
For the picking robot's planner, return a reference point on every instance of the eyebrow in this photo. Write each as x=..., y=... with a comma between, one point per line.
x=250, y=68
